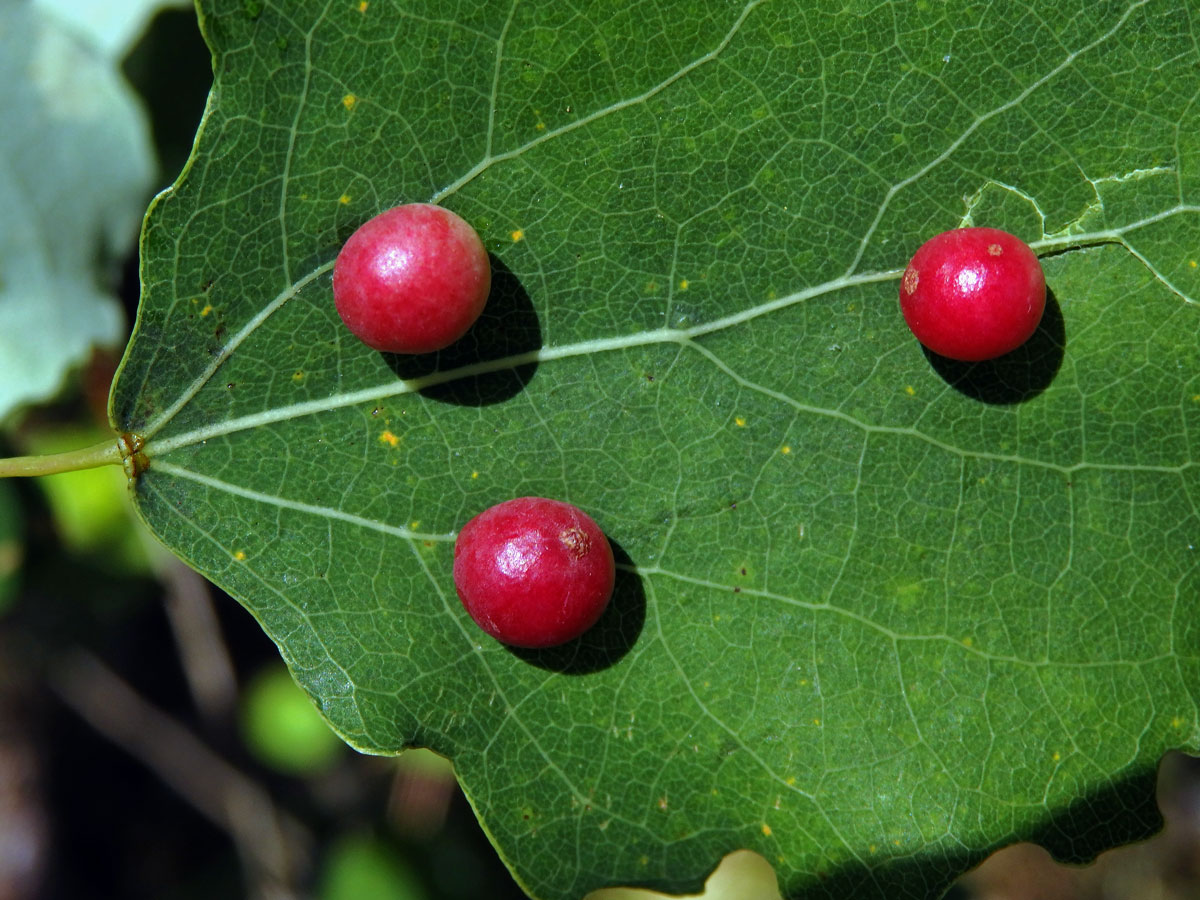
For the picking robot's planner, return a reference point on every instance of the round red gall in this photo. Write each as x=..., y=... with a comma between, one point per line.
x=533, y=572
x=411, y=280
x=973, y=293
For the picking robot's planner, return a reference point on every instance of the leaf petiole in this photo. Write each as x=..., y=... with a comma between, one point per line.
x=106, y=453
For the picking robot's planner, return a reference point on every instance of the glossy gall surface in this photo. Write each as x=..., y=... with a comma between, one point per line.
x=533, y=572
x=411, y=280
x=973, y=293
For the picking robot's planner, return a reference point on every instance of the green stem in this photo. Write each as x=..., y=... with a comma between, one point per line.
x=107, y=453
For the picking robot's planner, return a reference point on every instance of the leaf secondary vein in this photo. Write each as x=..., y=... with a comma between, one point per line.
x=894, y=636
x=975, y=125
x=489, y=160
x=643, y=571
x=327, y=512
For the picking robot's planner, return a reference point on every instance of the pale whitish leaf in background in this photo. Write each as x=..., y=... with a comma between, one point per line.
x=111, y=26
x=75, y=169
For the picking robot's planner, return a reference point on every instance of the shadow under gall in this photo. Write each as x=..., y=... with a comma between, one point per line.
x=1014, y=377
x=613, y=635
x=507, y=329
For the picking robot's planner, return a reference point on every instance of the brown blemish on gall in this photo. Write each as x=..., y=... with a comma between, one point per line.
x=575, y=540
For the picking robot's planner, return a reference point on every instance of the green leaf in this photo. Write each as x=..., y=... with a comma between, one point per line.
x=75, y=170
x=876, y=614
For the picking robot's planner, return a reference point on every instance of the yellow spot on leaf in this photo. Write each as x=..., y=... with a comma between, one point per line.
x=540, y=126
x=362, y=6
x=683, y=285
x=968, y=641
x=791, y=780
x=785, y=449
x=414, y=524
x=207, y=309
x=662, y=803
x=872, y=847
x=239, y=555
x=817, y=722
x=344, y=199
x=1176, y=722
x=517, y=235
x=298, y=376
x=910, y=390
x=1057, y=756
x=474, y=474
x=1192, y=263
x=766, y=830
x=388, y=438
x=645, y=860
x=348, y=101
x=739, y=421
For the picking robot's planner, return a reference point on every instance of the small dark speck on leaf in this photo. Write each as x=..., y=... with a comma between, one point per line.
x=743, y=570
x=230, y=385
x=737, y=590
